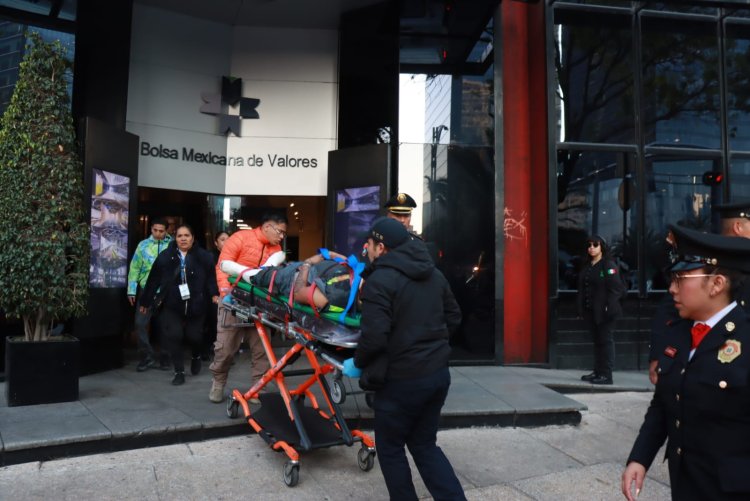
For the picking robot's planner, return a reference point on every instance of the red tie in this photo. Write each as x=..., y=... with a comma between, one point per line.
x=698, y=331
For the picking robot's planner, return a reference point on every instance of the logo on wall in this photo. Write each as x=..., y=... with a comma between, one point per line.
x=231, y=94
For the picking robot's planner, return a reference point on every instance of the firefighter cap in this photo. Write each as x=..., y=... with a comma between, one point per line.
x=694, y=249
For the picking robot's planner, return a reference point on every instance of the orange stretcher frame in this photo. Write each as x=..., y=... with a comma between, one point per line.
x=287, y=413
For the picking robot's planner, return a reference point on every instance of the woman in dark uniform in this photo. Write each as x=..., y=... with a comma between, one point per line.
x=701, y=404
x=599, y=293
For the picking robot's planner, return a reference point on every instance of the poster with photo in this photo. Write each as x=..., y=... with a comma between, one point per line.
x=109, y=229
x=356, y=209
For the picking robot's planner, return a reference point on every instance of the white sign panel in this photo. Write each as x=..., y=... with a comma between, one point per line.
x=277, y=166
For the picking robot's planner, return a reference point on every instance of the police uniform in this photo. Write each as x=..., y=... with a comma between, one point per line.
x=701, y=404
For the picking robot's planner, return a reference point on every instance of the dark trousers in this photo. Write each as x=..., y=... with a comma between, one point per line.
x=209, y=330
x=604, y=345
x=175, y=327
x=407, y=413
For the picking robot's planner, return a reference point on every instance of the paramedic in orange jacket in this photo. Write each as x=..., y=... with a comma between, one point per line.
x=249, y=248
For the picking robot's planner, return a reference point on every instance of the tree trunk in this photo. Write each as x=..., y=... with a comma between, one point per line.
x=37, y=327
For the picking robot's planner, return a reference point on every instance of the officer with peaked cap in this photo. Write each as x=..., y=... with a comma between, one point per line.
x=399, y=207
x=701, y=404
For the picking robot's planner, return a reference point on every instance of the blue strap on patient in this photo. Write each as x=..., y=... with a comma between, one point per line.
x=357, y=267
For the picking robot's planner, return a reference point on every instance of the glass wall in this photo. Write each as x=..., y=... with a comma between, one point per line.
x=446, y=162
x=649, y=98
x=13, y=40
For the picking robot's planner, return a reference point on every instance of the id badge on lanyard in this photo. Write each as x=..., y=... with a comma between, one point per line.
x=184, y=290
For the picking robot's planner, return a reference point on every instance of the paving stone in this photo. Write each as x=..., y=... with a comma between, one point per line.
x=33, y=426
x=596, y=482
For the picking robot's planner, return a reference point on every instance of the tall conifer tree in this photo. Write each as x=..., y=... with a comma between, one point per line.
x=44, y=242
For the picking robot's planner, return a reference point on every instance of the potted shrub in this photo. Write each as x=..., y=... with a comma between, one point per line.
x=44, y=241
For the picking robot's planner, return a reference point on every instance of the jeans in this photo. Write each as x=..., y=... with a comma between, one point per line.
x=141, y=328
x=407, y=413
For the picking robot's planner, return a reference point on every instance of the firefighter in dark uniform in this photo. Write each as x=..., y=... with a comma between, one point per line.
x=701, y=404
x=735, y=222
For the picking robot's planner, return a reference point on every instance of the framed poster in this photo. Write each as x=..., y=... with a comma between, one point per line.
x=356, y=209
x=109, y=229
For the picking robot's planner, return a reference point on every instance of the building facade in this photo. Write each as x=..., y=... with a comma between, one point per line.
x=520, y=127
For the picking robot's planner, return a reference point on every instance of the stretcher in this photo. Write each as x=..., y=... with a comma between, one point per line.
x=292, y=420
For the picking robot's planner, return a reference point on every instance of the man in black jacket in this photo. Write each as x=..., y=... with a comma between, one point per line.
x=408, y=313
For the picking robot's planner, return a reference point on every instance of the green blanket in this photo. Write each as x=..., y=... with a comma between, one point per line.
x=350, y=320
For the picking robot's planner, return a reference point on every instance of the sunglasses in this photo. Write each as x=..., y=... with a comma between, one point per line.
x=592, y=244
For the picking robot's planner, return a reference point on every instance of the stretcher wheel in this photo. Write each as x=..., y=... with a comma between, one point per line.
x=338, y=392
x=365, y=458
x=233, y=408
x=370, y=399
x=291, y=474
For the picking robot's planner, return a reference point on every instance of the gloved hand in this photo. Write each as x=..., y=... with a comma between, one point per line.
x=350, y=369
x=227, y=299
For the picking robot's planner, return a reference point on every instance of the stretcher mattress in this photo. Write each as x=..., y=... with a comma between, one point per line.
x=325, y=326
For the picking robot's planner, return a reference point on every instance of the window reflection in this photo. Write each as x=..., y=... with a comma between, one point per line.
x=740, y=169
x=597, y=197
x=738, y=86
x=594, y=70
x=680, y=6
x=681, y=83
x=675, y=194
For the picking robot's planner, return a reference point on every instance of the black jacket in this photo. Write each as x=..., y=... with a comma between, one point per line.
x=200, y=274
x=408, y=313
x=702, y=407
x=600, y=289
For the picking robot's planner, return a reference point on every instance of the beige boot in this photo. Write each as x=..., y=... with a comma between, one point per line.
x=216, y=395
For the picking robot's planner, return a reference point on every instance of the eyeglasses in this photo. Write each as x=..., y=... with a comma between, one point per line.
x=677, y=279
x=592, y=244
x=279, y=232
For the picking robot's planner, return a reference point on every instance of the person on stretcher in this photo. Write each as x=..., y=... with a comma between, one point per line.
x=325, y=284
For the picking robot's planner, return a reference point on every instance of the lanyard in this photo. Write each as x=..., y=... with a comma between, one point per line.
x=182, y=266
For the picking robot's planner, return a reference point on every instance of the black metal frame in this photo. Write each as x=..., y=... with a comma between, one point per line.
x=638, y=12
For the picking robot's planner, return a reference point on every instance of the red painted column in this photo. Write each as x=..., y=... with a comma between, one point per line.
x=525, y=170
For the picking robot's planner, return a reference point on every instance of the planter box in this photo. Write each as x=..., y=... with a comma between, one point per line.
x=43, y=372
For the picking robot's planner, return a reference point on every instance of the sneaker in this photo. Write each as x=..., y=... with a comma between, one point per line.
x=179, y=378
x=216, y=395
x=145, y=364
x=195, y=366
x=589, y=377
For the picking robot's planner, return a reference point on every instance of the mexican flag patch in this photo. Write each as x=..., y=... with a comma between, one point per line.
x=611, y=271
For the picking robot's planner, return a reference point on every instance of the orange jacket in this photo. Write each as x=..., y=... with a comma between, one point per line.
x=249, y=248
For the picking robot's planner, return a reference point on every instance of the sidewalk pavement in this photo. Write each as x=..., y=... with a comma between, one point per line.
x=549, y=463
x=124, y=409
